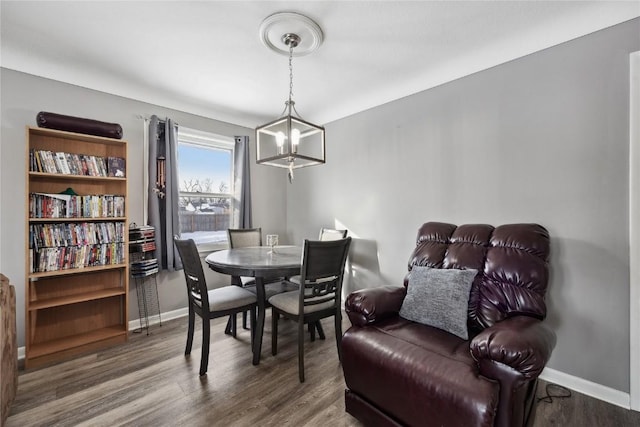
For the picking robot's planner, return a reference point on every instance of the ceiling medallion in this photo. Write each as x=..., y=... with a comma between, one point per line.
x=275, y=26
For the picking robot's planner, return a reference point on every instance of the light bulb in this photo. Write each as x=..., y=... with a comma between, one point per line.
x=280, y=141
x=295, y=139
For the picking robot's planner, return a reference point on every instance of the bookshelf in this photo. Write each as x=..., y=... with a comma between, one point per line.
x=77, y=259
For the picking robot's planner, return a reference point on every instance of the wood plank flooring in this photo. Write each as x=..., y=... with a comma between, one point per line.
x=149, y=382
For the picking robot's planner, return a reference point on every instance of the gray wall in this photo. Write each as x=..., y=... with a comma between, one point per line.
x=543, y=139
x=23, y=96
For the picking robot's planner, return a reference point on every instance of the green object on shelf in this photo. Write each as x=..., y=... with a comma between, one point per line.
x=69, y=191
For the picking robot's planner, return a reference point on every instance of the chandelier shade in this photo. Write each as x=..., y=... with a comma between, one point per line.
x=290, y=142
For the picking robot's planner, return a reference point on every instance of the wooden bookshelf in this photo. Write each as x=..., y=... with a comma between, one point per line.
x=75, y=301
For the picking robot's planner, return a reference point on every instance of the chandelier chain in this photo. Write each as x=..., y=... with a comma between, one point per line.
x=290, y=71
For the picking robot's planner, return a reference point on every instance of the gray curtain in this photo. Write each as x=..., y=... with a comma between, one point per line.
x=163, y=190
x=242, y=183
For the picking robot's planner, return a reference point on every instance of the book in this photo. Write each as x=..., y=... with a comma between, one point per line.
x=71, y=164
x=116, y=167
x=63, y=167
x=85, y=165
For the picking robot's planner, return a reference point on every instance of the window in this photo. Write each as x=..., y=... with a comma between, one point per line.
x=205, y=176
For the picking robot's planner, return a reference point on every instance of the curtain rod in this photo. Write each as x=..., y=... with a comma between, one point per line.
x=148, y=118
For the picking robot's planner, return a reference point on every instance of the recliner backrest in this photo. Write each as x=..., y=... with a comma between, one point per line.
x=512, y=261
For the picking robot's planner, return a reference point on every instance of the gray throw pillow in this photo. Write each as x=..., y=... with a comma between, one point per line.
x=439, y=298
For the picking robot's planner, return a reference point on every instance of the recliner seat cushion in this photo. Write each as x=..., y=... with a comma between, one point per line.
x=395, y=360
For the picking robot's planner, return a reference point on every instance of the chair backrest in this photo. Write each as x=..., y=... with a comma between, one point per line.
x=193, y=273
x=331, y=234
x=512, y=261
x=322, y=271
x=244, y=237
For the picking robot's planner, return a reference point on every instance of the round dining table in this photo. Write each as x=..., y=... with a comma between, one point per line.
x=262, y=263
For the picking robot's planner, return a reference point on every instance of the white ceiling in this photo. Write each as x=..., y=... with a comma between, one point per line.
x=206, y=57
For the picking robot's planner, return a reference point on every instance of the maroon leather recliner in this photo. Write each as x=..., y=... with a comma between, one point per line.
x=400, y=372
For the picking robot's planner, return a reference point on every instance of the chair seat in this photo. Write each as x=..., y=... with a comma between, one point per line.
x=229, y=297
x=247, y=281
x=290, y=302
x=273, y=288
x=432, y=361
x=296, y=279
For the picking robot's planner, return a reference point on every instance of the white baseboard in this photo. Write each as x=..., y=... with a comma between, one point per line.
x=154, y=320
x=598, y=391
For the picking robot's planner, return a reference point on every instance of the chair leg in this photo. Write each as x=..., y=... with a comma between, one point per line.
x=338, y=324
x=274, y=332
x=191, y=325
x=318, y=326
x=311, y=327
x=204, y=361
x=234, y=325
x=252, y=320
x=229, y=328
x=244, y=320
x=301, y=349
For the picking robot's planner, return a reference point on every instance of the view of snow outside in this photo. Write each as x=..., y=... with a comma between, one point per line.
x=206, y=237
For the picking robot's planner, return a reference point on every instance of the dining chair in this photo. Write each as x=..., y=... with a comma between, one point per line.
x=242, y=238
x=332, y=234
x=326, y=234
x=318, y=295
x=209, y=304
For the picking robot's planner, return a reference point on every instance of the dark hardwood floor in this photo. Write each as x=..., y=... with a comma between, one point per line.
x=149, y=382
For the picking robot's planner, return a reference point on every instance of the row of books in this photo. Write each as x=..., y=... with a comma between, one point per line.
x=75, y=234
x=76, y=164
x=69, y=257
x=46, y=205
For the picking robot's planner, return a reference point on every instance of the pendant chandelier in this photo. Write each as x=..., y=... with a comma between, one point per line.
x=289, y=141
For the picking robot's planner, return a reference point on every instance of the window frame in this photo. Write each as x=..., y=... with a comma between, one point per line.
x=209, y=140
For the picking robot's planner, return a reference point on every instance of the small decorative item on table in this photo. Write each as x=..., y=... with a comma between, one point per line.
x=272, y=242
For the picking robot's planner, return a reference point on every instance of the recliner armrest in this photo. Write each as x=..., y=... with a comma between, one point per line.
x=523, y=343
x=367, y=306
